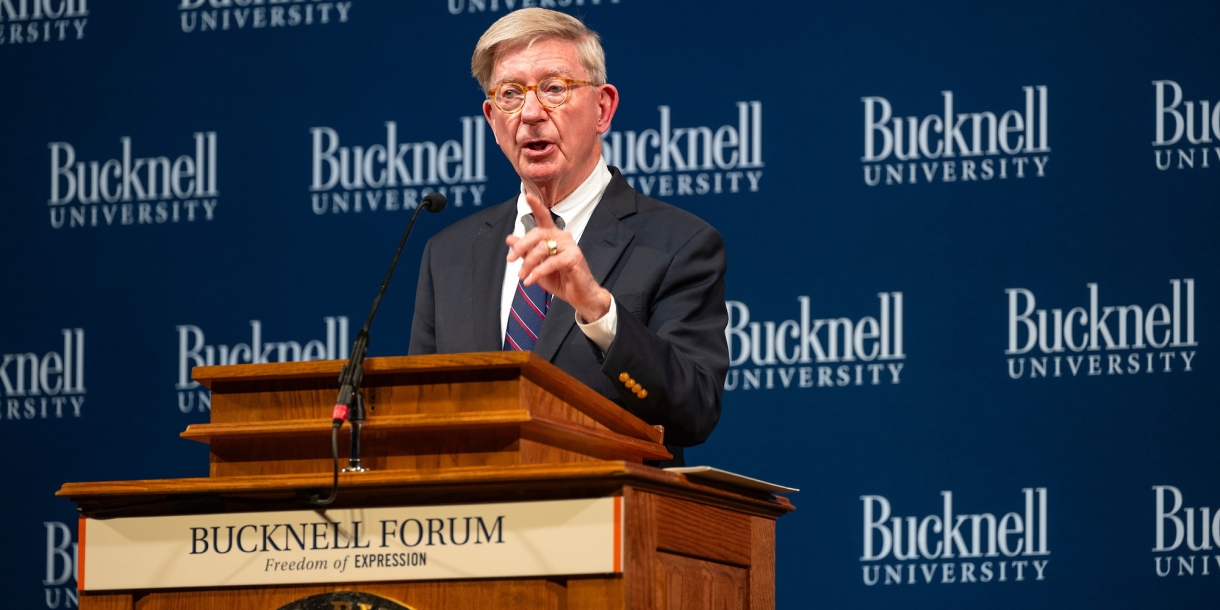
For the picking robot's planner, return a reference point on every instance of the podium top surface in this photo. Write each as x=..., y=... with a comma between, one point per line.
x=451, y=485
x=529, y=364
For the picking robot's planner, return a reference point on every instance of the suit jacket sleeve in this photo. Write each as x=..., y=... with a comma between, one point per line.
x=423, y=325
x=677, y=350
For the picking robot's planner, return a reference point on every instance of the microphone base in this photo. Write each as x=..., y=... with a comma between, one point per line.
x=354, y=463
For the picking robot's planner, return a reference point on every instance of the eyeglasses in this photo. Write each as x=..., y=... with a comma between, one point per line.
x=552, y=93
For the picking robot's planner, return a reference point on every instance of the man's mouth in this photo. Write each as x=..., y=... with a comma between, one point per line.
x=537, y=145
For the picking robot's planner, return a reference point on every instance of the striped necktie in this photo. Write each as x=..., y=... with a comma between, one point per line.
x=530, y=304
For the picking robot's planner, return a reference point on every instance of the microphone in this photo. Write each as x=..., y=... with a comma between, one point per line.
x=434, y=202
x=353, y=372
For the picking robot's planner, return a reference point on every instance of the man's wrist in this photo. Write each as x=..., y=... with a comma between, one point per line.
x=602, y=330
x=597, y=309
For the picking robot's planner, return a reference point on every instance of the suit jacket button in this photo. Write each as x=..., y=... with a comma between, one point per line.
x=642, y=393
x=623, y=377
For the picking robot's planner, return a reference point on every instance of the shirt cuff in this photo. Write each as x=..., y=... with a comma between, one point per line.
x=601, y=332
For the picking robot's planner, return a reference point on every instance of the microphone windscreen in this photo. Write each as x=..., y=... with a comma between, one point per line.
x=434, y=202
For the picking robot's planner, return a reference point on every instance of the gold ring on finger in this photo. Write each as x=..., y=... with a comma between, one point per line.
x=552, y=247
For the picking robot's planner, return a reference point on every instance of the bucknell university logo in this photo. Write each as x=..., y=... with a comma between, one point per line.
x=1096, y=339
x=34, y=21
x=391, y=175
x=50, y=386
x=1186, y=536
x=955, y=146
x=671, y=161
x=1196, y=121
x=807, y=352
x=458, y=7
x=212, y=15
x=194, y=350
x=955, y=548
x=62, y=563
x=131, y=190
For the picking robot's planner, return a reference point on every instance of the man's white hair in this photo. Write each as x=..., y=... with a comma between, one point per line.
x=526, y=26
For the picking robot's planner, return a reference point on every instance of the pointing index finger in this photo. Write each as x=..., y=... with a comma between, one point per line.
x=542, y=215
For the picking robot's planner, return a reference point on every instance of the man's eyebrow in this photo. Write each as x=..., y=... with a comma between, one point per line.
x=559, y=71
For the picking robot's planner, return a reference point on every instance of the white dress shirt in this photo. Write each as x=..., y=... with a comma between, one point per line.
x=575, y=210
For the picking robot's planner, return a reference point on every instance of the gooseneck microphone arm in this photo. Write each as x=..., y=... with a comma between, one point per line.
x=350, y=404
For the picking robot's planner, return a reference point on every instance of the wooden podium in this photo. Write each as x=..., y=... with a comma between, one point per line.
x=461, y=429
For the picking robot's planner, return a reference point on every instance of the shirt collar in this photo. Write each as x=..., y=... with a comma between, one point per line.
x=576, y=208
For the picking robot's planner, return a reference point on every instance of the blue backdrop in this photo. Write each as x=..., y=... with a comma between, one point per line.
x=970, y=268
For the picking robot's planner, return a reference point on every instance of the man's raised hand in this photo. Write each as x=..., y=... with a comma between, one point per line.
x=566, y=273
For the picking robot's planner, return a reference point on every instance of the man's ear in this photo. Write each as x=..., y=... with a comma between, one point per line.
x=607, y=104
x=487, y=110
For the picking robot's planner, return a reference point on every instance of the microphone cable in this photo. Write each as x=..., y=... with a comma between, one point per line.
x=315, y=499
x=353, y=372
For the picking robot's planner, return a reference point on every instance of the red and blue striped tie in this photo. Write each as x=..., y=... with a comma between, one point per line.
x=525, y=319
x=530, y=304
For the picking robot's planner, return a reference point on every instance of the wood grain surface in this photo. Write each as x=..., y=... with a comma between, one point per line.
x=762, y=572
x=418, y=422
x=421, y=440
x=436, y=486
x=686, y=546
x=308, y=387
x=704, y=531
x=686, y=583
x=530, y=593
x=469, y=428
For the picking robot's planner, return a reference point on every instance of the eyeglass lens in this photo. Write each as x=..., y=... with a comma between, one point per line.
x=511, y=97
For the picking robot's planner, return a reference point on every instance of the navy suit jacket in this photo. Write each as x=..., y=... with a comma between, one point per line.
x=665, y=268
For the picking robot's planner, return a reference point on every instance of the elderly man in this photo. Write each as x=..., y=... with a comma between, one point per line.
x=621, y=291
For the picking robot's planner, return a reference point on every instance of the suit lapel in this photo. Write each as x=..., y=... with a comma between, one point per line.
x=603, y=242
x=489, y=256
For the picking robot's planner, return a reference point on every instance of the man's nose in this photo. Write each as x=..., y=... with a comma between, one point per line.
x=532, y=111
